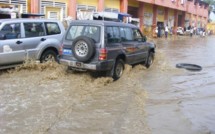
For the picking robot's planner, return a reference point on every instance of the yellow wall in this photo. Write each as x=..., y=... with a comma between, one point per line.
x=211, y=26
x=170, y=12
x=188, y=16
x=53, y=9
x=160, y=17
x=112, y=4
x=88, y=2
x=148, y=8
x=133, y=3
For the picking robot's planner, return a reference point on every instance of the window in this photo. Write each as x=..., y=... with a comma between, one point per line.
x=11, y=31
x=52, y=28
x=112, y=34
x=34, y=29
x=126, y=34
x=92, y=32
x=137, y=35
x=182, y=2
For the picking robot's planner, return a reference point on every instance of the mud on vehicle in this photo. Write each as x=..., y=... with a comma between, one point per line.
x=22, y=39
x=105, y=46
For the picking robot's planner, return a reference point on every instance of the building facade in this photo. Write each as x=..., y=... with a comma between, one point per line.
x=150, y=13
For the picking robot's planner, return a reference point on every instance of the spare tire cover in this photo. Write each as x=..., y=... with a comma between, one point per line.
x=83, y=48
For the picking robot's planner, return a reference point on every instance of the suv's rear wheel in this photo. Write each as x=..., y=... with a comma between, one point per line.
x=150, y=59
x=83, y=48
x=118, y=69
x=48, y=55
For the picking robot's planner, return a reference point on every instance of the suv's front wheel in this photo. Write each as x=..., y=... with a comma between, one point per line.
x=150, y=59
x=118, y=69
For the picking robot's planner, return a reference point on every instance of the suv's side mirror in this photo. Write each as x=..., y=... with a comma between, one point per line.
x=144, y=38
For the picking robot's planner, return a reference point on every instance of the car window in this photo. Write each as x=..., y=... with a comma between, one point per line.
x=126, y=34
x=34, y=29
x=112, y=34
x=52, y=28
x=136, y=35
x=92, y=32
x=11, y=31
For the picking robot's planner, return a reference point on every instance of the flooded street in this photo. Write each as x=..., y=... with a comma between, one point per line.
x=160, y=100
x=181, y=101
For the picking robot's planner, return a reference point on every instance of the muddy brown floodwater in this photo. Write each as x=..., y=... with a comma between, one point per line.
x=46, y=98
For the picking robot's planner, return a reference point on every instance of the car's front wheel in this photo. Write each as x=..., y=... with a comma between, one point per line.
x=150, y=59
x=118, y=69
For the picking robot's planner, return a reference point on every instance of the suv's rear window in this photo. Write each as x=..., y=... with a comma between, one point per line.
x=92, y=32
x=52, y=28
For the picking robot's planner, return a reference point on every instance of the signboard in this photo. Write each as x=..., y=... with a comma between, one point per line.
x=148, y=19
x=13, y=15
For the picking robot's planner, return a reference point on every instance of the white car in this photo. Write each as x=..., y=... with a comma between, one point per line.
x=180, y=31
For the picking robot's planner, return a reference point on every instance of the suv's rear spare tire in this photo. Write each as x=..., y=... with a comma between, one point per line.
x=83, y=48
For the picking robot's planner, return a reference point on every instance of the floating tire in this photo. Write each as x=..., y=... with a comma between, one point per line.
x=190, y=67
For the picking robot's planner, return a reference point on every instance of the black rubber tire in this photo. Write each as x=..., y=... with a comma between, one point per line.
x=118, y=69
x=150, y=59
x=90, y=46
x=46, y=54
x=190, y=67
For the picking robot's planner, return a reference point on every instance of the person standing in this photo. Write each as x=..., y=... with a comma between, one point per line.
x=191, y=31
x=166, y=31
x=159, y=30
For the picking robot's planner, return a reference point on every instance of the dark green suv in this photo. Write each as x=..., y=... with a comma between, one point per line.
x=105, y=46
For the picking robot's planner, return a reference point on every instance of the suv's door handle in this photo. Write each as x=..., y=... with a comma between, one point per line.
x=43, y=39
x=18, y=42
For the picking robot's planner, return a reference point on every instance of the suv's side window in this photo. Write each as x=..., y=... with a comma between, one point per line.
x=34, y=29
x=52, y=28
x=113, y=35
x=137, y=35
x=11, y=31
x=126, y=34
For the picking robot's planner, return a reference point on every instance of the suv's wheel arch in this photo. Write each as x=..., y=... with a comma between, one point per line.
x=51, y=50
x=119, y=59
x=150, y=58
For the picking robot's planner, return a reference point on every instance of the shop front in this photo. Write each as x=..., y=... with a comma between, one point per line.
x=148, y=18
x=54, y=9
x=170, y=18
x=85, y=9
x=12, y=8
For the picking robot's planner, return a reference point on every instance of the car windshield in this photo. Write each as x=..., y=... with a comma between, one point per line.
x=92, y=32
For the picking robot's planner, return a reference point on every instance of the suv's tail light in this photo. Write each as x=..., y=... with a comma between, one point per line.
x=103, y=54
x=61, y=50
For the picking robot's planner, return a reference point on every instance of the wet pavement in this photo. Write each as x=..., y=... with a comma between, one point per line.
x=160, y=100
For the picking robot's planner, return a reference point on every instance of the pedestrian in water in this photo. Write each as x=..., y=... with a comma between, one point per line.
x=171, y=31
x=159, y=30
x=191, y=31
x=166, y=31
